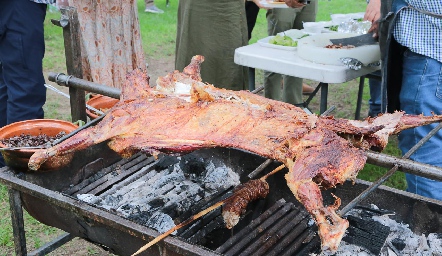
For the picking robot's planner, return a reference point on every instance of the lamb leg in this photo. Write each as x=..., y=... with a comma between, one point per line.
x=323, y=158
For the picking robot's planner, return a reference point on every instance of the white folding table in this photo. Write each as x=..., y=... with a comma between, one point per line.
x=289, y=63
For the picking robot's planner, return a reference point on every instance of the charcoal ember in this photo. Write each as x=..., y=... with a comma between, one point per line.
x=398, y=243
x=27, y=140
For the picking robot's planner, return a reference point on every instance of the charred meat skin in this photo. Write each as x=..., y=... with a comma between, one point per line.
x=182, y=114
x=243, y=195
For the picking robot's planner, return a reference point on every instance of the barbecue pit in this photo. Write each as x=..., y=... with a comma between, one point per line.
x=277, y=225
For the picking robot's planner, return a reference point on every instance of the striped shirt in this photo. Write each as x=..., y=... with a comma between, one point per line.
x=419, y=32
x=44, y=1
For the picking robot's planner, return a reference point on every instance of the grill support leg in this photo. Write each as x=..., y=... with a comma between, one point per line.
x=18, y=229
x=360, y=94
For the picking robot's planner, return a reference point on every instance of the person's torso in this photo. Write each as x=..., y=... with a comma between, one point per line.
x=420, y=32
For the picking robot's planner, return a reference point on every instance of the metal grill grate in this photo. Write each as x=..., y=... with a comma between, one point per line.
x=283, y=229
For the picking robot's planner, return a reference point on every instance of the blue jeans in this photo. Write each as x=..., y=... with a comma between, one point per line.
x=22, y=91
x=375, y=95
x=421, y=93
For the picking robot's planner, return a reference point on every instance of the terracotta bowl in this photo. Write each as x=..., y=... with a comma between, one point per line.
x=18, y=159
x=100, y=102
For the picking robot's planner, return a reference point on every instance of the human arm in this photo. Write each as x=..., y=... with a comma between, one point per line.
x=294, y=3
x=258, y=3
x=373, y=11
x=373, y=14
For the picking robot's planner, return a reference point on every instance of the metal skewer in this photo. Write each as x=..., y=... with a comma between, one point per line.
x=387, y=175
x=67, y=96
x=21, y=148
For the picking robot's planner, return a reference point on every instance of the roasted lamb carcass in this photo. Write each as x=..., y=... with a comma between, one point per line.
x=182, y=114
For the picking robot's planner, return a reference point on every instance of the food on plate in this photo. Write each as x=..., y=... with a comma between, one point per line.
x=334, y=28
x=27, y=140
x=305, y=35
x=339, y=46
x=182, y=114
x=283, y=40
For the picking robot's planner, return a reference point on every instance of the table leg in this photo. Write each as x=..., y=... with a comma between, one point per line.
x=324, y=94
x=360, y=93
x=251, y=79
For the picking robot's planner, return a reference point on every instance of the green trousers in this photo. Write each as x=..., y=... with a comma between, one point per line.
x=281, y=87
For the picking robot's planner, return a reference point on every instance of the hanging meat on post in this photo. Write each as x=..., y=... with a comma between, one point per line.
x=182, y=114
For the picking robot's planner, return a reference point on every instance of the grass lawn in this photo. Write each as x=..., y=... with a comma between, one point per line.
x=158, y=35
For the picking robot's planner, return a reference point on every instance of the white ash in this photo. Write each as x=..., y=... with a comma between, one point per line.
x=218, y=178
x=162, y=222
x=159, y=196
x=89, y=198
x=415, y=244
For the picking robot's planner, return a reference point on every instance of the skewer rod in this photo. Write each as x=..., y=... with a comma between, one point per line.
x=406, y=165
x=78, y=83
x=379, y=182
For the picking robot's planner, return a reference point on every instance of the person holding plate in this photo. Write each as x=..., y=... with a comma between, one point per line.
x=279, y=20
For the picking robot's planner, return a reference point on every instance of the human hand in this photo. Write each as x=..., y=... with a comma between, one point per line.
x=294, y=3
x=258, y=3
x=373, y=14
x=374, y=28
x=373, y=11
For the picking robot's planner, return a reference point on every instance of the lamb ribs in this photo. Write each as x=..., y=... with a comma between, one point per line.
x=182, y=114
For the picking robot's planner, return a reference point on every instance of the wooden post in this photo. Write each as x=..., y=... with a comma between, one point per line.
x=71, y=33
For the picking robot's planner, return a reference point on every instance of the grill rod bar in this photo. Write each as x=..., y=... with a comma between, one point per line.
x=262, y=226
x=406, y=165
x=387, y=175
x=270, y=236
x=70, y=81
x=243, y=233
x=292, y=240
x=275, y=234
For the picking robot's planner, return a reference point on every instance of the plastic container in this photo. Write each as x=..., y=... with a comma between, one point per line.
x=339, y=18
x=313, y=27
x=313, y=49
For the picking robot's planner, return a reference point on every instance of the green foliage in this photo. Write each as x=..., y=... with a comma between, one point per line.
x=54, y=59
x=91, y=251
x=158, y=31
x=5, y=222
